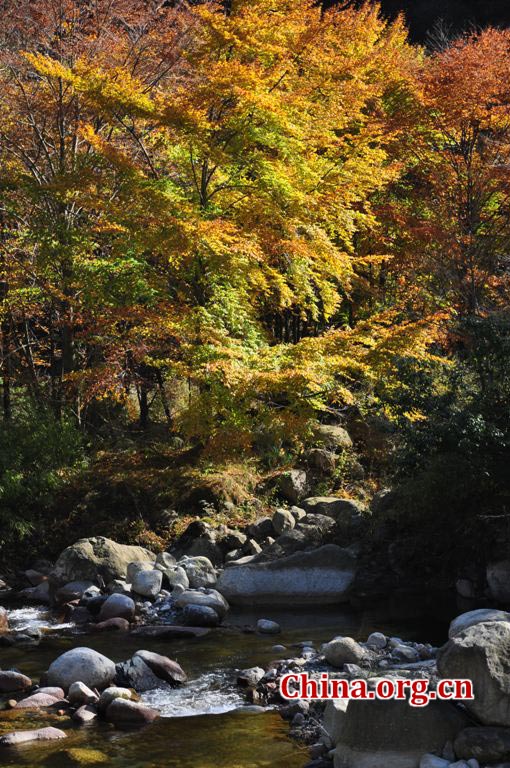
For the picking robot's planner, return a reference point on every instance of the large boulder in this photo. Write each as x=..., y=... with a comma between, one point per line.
x=478, y=616
x=481, y=653
x=498, y=579
x=97, y=558
x=319, y=577
x=81, y=665
x=372, y=734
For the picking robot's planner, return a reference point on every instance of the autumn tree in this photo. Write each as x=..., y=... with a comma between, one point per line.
x=447, y=218
x=191, y=194
x=48, y=242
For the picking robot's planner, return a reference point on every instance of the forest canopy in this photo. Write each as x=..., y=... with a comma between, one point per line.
x=228, y=222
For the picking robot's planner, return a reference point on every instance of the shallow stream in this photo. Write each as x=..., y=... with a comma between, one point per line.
x=200, y=727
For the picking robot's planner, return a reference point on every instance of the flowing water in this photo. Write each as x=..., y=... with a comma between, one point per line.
x=201, y=724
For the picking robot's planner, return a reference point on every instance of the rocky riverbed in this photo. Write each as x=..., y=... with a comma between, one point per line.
x=112, y=646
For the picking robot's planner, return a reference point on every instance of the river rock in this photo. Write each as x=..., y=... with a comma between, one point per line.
x=116, y=624
x=119, y=587
x=333, y=436
x=10, y=682
x=481, y=653
x=79, y=694
x=206, y=546
x=135, y=567
x=200, y=616
x=117, y=606
x=148, y=583
x=94, y=604
x=486, y=744
x=250, y=677
x=231, y=539
x=321, y=459
x=405, y=653
x=199, y=570
x=293, y=485
x=283, y=520
x=95, y=557
x=343, y=650
x=84, y=714
x=110, y=694
x=319, y=577
x=129, y=713
x=38, y=594
x=261, y=529
x=165, y=560
x=176, y=576
x=209, y=597
x=34, y=577
x=478, y=616
x=135, y=673
x=166, y=669
x=39, y=734
x=4, y=620
x=84, y=665
x=268, y=627
x=37, y=701
x=73, y=590
x=55, y=691
x=372, y=734
x=377, y=641
x=347, y=513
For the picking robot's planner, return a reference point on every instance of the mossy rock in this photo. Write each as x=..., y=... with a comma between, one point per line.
x=78, y=756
